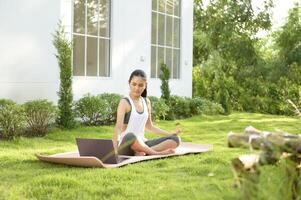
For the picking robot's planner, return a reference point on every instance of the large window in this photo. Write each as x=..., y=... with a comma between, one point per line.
x=165, y=46
x=91, y=38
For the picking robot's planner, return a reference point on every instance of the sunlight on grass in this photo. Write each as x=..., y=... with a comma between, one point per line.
x=270, y=120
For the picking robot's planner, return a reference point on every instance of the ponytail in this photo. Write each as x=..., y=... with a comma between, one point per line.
x=144, y=93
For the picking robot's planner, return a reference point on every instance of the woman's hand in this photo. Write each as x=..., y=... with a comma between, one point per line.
x=177, y=131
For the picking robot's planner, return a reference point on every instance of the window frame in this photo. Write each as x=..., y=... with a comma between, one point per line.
x=86, y=35
x=172, y=47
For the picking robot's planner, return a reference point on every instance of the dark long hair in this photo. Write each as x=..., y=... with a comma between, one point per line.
x=142, y=74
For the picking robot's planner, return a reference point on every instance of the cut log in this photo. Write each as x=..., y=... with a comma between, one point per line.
x=239, y=140
x=250, y=130
x=246, y=162
x=246, y=174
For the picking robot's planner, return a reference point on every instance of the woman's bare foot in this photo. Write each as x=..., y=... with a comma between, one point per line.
x=166, y=152
x=140, y=154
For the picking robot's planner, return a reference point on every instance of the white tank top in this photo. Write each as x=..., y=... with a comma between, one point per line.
x=137, y=121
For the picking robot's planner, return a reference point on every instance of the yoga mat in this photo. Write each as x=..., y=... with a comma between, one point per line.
x=73, y=158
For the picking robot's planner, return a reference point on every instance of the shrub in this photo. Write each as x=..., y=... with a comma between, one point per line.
x=196, y=106
x=209, y=108
x=11, y=119
x=179, y=108
x=159, y=108
x=92, y=109
x=183, y=107
x=5, y=102
x=65, y=115
x=111, y=111
x=39, y=114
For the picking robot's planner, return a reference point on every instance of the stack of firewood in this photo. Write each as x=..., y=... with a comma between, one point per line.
x=273, y=146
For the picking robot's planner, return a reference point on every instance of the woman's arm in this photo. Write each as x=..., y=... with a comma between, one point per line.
x=121, y=110
x=150, y=127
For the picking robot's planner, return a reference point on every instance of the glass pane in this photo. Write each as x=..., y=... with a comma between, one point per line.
x=104, y=57
x=92, y=16
x=154, y=5
x=162, y=6
x=78, y=55
x=160, y=59
x=153, y=62
x=169, y=31
x=177, y=7
x=154, y=28
x=104, y=18
x=176, y=33
x=79, y=16
x=169, y=60
x=161, y=30
x=176, y=63
x=169, y=7
x=91, y=56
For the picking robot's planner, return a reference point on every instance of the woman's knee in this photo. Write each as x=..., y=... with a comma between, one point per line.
x=125, y=147
x=176, y=139
x=130, y=138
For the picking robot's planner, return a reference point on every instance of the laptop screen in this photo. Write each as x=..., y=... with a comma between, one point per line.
x=103, y=149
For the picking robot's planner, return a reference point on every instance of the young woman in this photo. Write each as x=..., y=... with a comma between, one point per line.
x=133, y=116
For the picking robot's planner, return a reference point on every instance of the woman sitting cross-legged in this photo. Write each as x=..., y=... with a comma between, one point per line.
x=133, y=116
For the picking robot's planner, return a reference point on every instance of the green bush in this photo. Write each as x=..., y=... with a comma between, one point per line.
x=5, y=102
x=196, y=106
x=203, y=106
x=11, y=119
x=209, y=108
x=159, y=108
x=183, y=107
x=111, y=111
x=92, y=110
x=179, y=108
x=39, y=115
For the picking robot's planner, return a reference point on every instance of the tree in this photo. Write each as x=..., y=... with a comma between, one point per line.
x=165, y=76
x=225, y=48
x=65, y=117
x=228, y=27
x=288, y=38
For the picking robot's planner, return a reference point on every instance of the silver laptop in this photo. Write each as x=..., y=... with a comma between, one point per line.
x=102, y=149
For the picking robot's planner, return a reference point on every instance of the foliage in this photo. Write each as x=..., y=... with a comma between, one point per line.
x=92, y=110
x=5, y=102
x=237, y=69
x=179, y=108
x=228, y=27
x=203, y=106
x=112, y=101
x=288, y=38
x=101, y=109
x=11, y=119
x=65, y=117
x=39, y=115
x=164, y=77
x=159, y=108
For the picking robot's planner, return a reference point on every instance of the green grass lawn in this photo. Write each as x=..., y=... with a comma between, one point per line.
x=200, y=176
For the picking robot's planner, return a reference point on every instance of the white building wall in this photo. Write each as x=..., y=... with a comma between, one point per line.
x=29, y=69
x=182, y=86
x=131, y=49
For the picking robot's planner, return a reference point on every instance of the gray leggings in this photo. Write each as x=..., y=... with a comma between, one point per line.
x=127, y=141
